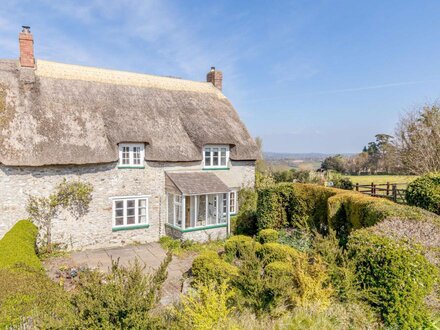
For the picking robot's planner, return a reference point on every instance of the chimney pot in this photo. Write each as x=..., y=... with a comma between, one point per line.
x=26, y=43
x=215, y=77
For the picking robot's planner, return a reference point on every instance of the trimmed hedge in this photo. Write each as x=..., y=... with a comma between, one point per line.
x=424, y=192
x=267, y=236
x=18, y=246
x=322, y=208
x=395, y=278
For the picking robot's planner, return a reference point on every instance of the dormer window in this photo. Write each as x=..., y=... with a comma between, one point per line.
x=216, y=157
x=131, y=155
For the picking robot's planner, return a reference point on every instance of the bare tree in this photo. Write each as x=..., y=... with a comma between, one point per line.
x=418, y=139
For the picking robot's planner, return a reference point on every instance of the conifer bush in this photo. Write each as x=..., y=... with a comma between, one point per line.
x=208, y=266
x=395, y=278
x=267, y=236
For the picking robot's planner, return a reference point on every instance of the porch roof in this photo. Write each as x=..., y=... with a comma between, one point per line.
x=198, y=183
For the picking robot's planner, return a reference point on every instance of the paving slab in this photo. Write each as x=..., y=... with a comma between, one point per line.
x=151, y=255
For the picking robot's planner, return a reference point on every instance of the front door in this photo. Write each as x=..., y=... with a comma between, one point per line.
x=187, y=211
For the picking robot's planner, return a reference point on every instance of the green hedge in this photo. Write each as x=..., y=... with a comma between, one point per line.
x=395, y=278
x=424, y=192
x=18, y=246
x=322, y=208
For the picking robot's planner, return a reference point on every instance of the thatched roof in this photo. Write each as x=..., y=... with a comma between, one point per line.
x=198, y=183
x=67, y=114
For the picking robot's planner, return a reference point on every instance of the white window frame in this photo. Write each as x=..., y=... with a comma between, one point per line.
x=124, y=200
x=233, y=208
x=131, y=153
x=211, y=148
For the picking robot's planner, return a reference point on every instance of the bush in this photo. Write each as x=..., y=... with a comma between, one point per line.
x=234, y=244
x=271, y=252
x=208, y=266
x=29, y=297
x=424, y=192
x=278, y=269
x=395, y=278
x=18, y=246
x=245, y=222
x=121, y=299
x=207, y=307
x=169, y=243
x=267, y=236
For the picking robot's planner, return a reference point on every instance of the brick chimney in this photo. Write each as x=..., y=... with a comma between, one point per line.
x=215, y=77
x=26, y=41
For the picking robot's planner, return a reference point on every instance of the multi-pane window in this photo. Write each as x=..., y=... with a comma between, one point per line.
x=178, y=210
x=131, y=154
x=233, y=202
x=216, y=157
x=130, y=211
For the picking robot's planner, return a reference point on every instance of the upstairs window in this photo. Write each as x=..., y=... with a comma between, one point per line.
x=216, y=157
x=131, y=154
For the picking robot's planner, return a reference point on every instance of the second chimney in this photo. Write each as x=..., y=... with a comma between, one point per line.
x=215, y=77
x=26, y=41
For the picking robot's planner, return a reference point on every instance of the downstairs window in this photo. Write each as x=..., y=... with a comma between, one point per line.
x=130, y=211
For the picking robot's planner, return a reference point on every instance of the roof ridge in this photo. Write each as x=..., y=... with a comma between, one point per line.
x=59, y=70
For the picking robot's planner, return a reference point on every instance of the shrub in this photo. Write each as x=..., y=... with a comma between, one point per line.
x=395, y=278
x=271, y=209
x=278, y=269
x=121, y=299
x=208, y=266
x=18, y=246
x=267, y=236
x=424, y=192
x=271, y=252
x=169, y=243
x=235, y=244
x=29, y=297
x=245, y=222
x=207, y=307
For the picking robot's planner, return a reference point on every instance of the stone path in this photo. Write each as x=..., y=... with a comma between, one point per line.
x=151, y=255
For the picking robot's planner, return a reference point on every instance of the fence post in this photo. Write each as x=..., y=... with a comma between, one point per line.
x=394, y=192
x=357, y=186
x=388, y=188
x=372, y=188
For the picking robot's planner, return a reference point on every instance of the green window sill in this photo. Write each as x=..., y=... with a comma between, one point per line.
x=124, y=166
x=130, y=227
x=216, y=169
x=197, y=228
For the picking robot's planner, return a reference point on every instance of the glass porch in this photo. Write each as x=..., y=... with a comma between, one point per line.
x=198, y=211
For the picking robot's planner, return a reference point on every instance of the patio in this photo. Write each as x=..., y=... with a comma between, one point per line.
x=151, y=255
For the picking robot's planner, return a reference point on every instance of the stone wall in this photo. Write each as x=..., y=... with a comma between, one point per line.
x=200, y=235
x=94, y=230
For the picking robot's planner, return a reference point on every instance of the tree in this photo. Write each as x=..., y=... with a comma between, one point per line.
x=334, y=163
x=418, y=139
x=74, y=197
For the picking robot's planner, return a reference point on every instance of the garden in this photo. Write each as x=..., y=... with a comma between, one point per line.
x=302, y=256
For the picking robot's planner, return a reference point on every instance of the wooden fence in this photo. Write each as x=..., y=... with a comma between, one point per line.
x=393, y=191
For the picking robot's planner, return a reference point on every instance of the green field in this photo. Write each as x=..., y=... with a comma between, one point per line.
x=381, y=179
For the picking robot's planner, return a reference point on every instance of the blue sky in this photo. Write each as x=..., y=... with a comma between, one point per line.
x=306, y=76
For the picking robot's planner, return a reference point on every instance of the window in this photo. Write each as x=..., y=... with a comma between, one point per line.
x=216, y=157
x=233, y=202
x=131, y=154
x=130, y=211
x=178, y=210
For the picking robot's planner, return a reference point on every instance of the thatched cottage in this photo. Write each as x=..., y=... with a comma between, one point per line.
x=165, y=156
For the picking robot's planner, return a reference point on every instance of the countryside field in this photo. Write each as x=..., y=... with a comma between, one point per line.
x=381, y=179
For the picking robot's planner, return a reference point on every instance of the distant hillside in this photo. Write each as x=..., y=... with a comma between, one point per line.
x=309, y=161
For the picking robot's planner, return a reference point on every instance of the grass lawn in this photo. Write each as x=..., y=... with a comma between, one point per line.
x=381, y=179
